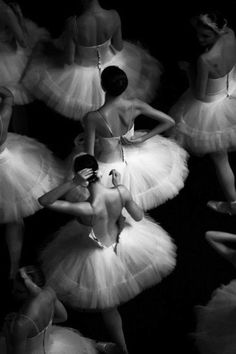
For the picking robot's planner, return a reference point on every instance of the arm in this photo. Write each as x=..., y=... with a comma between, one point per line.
x=52, y=196
x=5, y=111
x=90, y=133
x=69, y=48
x=60, y=313
x=130, y=205
x=164, y=120
x=199, y=89
x=220, y=242
x=13, y=23
x=18, y=337
x=116, y=39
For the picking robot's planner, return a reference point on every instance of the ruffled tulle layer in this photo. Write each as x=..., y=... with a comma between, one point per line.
x=60, y=340
x=153, y=171
x=88, y=276
x=205, y=127
x=216, y=331
x=64, y=340
x=27, y=171
x=74, y=90
x=13, y=62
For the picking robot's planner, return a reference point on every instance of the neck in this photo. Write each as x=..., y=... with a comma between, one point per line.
x=111, y=99
x=95, y=187
x=93, y=6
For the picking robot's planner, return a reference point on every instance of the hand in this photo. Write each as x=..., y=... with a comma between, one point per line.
x=137, y=139
x=184, y=65
x=81, y=177
x=116, y=177
x=31, y=286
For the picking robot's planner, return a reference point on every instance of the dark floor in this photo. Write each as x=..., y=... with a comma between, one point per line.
x=162, y=317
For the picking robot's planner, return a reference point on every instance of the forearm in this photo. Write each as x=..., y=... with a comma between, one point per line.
x=60, y=314
x=158, y=130
x=56, y=193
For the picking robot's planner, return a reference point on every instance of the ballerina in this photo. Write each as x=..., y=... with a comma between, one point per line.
x=92, y=40
x=33, y=329
x=17, y=38
x=100, y=260
x=27, y=169
x=152, y=167
x=215, y=331
x=205, y=114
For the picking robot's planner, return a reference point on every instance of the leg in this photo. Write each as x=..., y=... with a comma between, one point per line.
x=113, y=323
x=14, y=239
x=225, y=175
x=218, y=241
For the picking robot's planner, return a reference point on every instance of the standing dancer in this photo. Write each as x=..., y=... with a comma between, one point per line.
x=215, y=332
x=32, y=329
x=27, y=169
x=92, y=40
x=100, y=260
x=152, y=167
x=17, y=38
x=205, y=114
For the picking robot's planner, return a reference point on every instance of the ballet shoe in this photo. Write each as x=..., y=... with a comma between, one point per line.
x=223, y=207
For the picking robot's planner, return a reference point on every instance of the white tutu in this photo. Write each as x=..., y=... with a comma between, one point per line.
x=56, y=340
x=13, y=62
x=209, y=126
x=153, y=171
x=74, y=90
x=90, y=276
x=216, y=330
x=27, y=171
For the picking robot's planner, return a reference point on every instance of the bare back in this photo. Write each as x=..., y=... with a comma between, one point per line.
x=119, y=117
x=95, y=28
x=107, y=207
x=221, y=58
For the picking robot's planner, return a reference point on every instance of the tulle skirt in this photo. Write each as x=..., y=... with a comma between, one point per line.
x=13, y=62
x=153, y=171
x=74, y=90
x=206, y=127
x=88, y=276
x=60, y=340
x=64, y=340
x=27, y=171
x=216, y=330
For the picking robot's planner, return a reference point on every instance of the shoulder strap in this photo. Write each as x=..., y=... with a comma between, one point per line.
x=107, y=125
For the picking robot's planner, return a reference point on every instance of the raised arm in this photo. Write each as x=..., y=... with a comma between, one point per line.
x=164, y=120
x=130, y=205
x=52, y=196
x=11, y=20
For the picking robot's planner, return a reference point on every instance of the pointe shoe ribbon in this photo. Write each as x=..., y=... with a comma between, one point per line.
x=223, y=207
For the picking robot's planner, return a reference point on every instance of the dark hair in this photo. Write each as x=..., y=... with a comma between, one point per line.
x=215, y=17
x=114, y=80
x=86, y=161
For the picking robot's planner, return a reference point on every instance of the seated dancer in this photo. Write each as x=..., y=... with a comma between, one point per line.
x=17, y=38
x=152, y=167
x=215, y=332
x=99, y=260
x=27, y=169
x=31, y=330
x=205, y=114
x=92, y=40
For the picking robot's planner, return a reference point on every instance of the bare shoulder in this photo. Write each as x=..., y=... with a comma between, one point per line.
x=21, y=328
x=115, y=15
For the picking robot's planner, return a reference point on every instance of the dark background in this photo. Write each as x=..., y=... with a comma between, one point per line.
x=162, y=317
